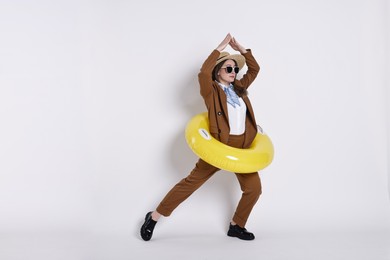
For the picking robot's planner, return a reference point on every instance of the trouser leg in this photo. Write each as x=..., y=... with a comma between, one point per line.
x=250, y=185
x=183, y=189
x=251, y=191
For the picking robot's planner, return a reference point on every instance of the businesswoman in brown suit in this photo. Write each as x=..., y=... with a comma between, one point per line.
x=232, y=122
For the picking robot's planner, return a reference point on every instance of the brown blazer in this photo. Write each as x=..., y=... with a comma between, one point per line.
x=216, y=103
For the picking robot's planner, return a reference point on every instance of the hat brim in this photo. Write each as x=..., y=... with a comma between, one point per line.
x=238, y=58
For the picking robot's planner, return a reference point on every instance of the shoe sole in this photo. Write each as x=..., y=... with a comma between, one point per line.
x=237, y=236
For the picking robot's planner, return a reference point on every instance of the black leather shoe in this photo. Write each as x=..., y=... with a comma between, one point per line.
x=239, y=232
x=147, y=227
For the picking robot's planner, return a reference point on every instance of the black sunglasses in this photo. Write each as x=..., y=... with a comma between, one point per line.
x=229, y=69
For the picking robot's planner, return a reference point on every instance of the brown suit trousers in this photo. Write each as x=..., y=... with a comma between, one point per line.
x=250, y=185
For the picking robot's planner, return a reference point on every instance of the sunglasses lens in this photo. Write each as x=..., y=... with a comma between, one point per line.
x=230, y=69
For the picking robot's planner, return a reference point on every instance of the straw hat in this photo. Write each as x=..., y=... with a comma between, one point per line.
x=238, y=58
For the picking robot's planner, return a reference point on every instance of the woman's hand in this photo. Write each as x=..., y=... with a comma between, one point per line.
x=236, y=46
x=224, y=43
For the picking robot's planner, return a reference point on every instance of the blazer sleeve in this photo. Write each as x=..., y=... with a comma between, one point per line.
x=251, y=73
x=205, y=75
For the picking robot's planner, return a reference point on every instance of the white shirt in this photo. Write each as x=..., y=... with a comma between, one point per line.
x=237, y=116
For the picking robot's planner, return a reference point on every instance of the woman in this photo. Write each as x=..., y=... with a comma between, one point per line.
x=232, y=122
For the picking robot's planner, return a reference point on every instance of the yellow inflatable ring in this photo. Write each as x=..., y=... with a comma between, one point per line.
x=258, y=156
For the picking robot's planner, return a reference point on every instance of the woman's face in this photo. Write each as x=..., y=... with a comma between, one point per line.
x=225, y=77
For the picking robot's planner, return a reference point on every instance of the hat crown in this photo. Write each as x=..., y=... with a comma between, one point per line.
x=238, y=58
x=224, y=53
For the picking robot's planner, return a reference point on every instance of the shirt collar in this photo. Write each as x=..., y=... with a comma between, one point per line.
x=224, y=86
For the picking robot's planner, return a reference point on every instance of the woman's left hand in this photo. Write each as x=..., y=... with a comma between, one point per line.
x=236, y=46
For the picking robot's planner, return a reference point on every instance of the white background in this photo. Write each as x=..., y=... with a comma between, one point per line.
x=95, y=96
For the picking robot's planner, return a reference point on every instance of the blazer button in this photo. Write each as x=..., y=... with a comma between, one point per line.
x=219, y=113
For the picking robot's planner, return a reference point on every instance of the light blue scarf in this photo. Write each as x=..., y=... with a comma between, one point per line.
x=231, y=95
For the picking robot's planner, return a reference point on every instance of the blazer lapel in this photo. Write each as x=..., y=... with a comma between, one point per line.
x=223, y=101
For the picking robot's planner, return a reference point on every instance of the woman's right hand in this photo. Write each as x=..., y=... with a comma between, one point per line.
x=224, y=43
